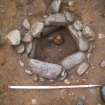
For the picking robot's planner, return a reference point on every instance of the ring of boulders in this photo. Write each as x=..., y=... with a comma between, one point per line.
x=24, y=41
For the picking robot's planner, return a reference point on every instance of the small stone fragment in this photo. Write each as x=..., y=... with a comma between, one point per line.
x=28, y=72
x=57, y=19
x=28, y=37
x=20, y=49
x=55, y=6
x=67, y=82
x=26, y=24
x=35, y=78
x=102, y=92
x=63, y=75
x=33, y=51
x=14, y=37
x=80, y=102
x=37, y=29
x=78, y=25
x=21, y=63
x=58, y=40
x=28, y=48
x=82, y=68
x=69, y=17
x=102, y=64
x=45, y=70
x=71, y=61
x=88, y=33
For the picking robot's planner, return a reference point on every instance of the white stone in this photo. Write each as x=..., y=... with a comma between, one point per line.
x=37, y=29
x=14, y=37
x=28, y=72
x=20, y=49
x=26, y=24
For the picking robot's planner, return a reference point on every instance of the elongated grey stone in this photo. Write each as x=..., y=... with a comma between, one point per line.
x=33, y=51
x=44, y=69
x=71, y=61
x=55, y=6
x=57, y=19
x=82, y=43
x=49, y=29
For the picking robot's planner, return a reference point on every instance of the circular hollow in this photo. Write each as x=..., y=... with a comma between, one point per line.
x=48, y=50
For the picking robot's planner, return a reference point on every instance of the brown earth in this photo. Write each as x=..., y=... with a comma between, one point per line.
x=12, y=12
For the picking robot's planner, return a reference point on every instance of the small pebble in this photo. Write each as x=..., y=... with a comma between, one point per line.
x=34, y=102
x=102, y=64
x=37, y=29
x=101, y=36
x=41, y=79
x=28, y=72
x=14, y=37
x=28, y=37
x=26, y=24
x=88, y=33
x=20, y=49
x=21, y=63
x=67, y=82
x=82, y=68
x=58, y=40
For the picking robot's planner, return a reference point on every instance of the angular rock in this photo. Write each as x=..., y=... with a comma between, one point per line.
x=57, y=19
x=28, y=48
x=37, y=29
x=20, y=49
x=102, y=92
x=55, y=6
x=26, y=24
x=67, y=81
x=14, y=37
x=44, y=69
x=88, y=33
x=28, y=37
x=82, y=68
x=78, y=25
x=69, y=17
x=71, y=61
x=28, y=72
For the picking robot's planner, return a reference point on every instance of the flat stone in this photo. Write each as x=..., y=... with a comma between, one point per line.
x=82, y=68
x=72, y=60
x=26, y=24
x=57, y=19
x=37, y=29
x=14, y=37
x=55, y=6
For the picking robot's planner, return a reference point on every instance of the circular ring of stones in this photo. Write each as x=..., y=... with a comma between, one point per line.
x=83, y=35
